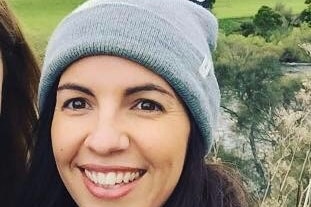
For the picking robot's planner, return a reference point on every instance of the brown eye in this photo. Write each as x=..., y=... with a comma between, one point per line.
x=76, y=104
x=148, y=105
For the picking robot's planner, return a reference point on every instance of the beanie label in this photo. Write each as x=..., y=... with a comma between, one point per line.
x=206, y=66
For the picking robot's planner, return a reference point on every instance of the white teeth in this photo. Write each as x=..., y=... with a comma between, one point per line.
x=119, y=178
x=93, y=176
x=132, y=176
x=127, y=177
x=111, y=178
x=101, y=178
x=88, y=173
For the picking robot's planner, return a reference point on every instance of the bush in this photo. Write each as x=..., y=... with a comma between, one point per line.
x=289, y=165
x=291, y=51
x=267, y=20
x=229, y=26
x=247, y=28
x=236, y=52
x=289, y=56
x=305, y=15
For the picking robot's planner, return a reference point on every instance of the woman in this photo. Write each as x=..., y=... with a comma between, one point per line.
x=128, y=104
x=18, y=85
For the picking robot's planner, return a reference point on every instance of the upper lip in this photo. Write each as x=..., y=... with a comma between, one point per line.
x=113, y=168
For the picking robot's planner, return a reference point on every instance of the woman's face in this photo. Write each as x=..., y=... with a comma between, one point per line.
x=119, y=134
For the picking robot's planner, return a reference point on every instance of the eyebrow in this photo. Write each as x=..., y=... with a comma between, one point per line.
x=75, y=87
x=128, y=91
x=147, y=87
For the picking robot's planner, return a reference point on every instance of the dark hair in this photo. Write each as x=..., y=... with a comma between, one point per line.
x=200, y=184
x=43, y=186
x=206, y=185
x=18, y=114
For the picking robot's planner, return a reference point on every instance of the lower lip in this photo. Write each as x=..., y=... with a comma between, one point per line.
x=113, y=192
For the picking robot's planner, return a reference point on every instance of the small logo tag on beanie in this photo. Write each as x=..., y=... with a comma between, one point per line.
x=206, y=66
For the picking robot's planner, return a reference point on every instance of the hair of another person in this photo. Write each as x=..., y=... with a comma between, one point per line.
x=200, y=184
x=19, y=111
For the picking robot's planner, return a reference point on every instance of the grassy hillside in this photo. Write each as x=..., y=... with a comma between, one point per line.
x=39, y=17
x=245, y=8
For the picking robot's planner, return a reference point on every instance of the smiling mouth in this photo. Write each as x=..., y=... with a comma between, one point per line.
x=113, y=178
x=110, y=182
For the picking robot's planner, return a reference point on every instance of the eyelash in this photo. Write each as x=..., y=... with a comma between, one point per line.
x=155, y=105
x=83, y=102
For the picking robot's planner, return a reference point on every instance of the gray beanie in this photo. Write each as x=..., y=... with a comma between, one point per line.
x=172, y=38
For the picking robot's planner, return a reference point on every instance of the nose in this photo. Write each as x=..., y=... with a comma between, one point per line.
x=107, y=137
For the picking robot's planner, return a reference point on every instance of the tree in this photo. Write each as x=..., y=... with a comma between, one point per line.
x=249, y=75
x=267, y=20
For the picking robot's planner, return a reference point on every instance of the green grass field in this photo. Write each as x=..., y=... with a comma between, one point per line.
x=245, y=8
x=39, y=17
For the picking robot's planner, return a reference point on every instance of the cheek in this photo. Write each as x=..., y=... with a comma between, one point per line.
x=66, y=137
x=164, y=141
x=163, y=146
